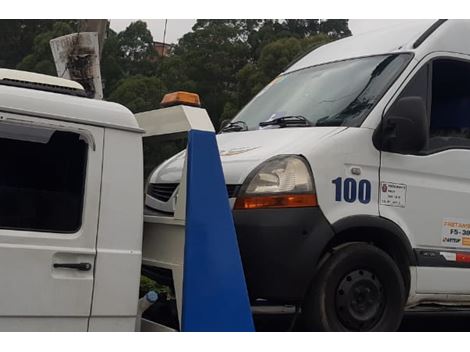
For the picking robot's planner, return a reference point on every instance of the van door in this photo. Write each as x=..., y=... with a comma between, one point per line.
x=428, y=194
x=49, y=201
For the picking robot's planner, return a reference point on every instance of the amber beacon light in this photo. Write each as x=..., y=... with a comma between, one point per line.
x=180, y=98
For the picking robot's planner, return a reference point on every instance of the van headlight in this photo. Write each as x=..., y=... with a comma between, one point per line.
x=284, y=181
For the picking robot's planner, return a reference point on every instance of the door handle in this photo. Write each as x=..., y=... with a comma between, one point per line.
x=76, y=266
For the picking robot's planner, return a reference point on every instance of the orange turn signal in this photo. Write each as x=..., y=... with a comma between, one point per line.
x=281, y=201
x=180, y=98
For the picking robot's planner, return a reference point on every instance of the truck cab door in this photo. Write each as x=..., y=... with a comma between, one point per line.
x=49, y=204
x=428, y=193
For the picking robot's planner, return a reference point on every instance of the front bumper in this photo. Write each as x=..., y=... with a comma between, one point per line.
x=280, y=249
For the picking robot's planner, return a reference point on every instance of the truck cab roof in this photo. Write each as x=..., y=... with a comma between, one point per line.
x=420, y=38
x=38, y=95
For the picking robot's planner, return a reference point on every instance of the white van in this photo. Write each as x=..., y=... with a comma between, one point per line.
x=349, y=178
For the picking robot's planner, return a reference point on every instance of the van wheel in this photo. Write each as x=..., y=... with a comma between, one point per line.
x=358, y=288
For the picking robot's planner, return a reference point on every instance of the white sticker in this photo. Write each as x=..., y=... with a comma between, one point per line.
x=455, y=233
x=393, y=194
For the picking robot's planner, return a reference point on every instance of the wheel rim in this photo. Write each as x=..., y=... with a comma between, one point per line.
x=360, y=300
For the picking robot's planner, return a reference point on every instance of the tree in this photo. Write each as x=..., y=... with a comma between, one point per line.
x=138, y=93
x=136, y=51
x=274, y=58
x=226, y=62
x=17, y=39
x=111, y=68
x=209, y=58
x=40, y=59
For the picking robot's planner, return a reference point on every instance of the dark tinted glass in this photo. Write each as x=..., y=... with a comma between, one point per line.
x=41, y=180
x=450, y=111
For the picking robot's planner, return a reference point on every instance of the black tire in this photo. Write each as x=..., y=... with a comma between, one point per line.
x=358, y=288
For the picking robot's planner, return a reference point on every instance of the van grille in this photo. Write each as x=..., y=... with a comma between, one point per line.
x=164, y=191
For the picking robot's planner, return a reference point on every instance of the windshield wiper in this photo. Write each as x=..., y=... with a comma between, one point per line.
x=287, y=121
x=236, y=126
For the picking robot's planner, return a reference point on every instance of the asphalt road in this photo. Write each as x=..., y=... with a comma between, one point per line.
x=415, y=321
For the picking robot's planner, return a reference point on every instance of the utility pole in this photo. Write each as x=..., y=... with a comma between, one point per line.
x=98, y=26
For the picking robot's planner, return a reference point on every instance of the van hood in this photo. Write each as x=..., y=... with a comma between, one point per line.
x=241, y=152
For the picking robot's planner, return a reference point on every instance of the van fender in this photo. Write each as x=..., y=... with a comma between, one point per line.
x=391, y=232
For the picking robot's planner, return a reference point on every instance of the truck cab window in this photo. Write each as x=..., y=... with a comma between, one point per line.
x=42, y=179
x=450, y=107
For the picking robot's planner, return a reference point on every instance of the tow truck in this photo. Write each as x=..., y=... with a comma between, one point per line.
x=72, y=217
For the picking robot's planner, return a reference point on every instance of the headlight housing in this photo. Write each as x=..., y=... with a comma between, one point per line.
x=284, y=181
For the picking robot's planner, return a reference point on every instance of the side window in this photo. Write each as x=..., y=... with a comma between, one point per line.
x=444, y=84
x=42, y=179
x=450, y=109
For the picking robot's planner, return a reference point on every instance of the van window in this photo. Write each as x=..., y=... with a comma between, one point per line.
x=42, y=179
x=450, y=107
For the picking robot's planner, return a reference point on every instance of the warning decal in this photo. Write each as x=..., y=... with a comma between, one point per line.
x=393, y=194
x=455, y=233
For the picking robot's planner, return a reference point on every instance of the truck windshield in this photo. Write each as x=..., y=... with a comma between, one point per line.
x=335, y=94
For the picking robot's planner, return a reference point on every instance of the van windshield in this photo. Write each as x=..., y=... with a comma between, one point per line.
x=335, y=94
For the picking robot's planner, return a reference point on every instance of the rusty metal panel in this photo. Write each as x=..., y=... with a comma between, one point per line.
x=76, y=57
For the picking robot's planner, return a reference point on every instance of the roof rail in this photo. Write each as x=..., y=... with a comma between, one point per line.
x=427, y=33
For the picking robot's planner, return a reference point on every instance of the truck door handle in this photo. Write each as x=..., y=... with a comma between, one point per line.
x=76, y=266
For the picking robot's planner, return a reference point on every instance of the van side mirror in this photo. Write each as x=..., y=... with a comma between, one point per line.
x=405, y=128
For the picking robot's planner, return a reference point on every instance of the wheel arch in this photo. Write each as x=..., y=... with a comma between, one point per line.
x=383, y=233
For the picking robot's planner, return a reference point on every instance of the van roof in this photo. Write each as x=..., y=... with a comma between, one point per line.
x=449, y=36
x=63, y=107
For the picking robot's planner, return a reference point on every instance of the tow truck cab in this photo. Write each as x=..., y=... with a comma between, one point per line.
x=71, y=208
x=349, y=181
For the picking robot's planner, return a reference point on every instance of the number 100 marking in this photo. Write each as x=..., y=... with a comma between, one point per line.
x=350, y=190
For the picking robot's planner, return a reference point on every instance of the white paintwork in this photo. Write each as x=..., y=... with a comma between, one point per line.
x=34, y=296
x=448, y=37
x=33, y=293
x=25, y=76
x=257, y=146
x=63, y=107
x=438, y=185
x=175, y=119
x=119, y=243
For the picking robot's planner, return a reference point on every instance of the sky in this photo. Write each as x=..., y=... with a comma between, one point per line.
x=176, y=28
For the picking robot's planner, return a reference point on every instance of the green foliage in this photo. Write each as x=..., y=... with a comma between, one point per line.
x=228, y=61
x=147, y=284
x=40, y=59
x=17, y=39
x=136, y=54
x=138, y=93
x=225, y=61
x=111, y=68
